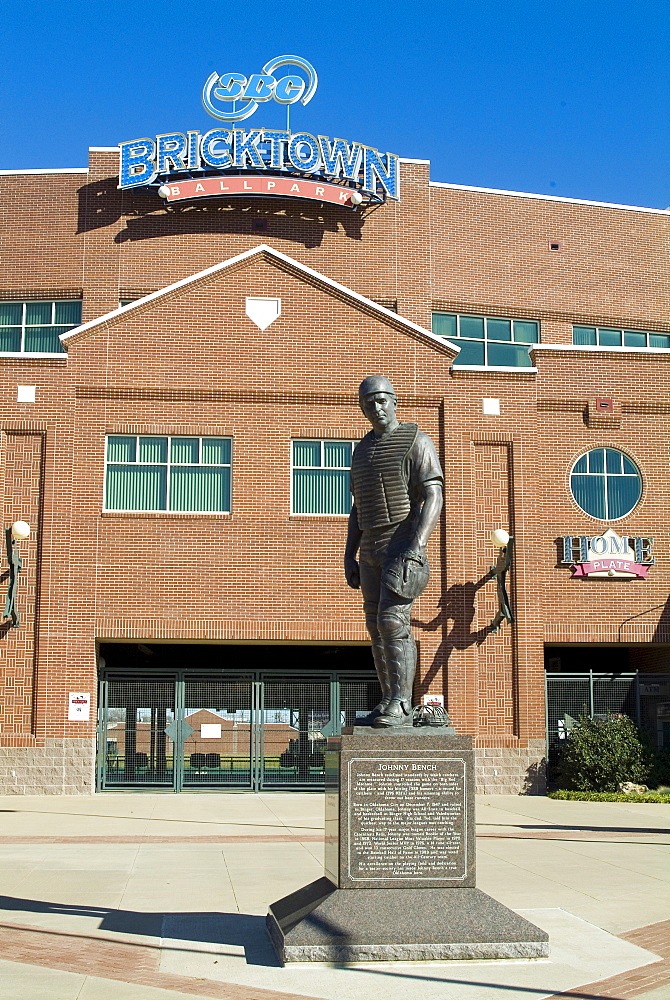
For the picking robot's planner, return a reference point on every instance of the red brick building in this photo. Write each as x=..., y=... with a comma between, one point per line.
x=182, y=462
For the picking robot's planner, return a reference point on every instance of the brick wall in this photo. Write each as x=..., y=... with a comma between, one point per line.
x=192, y=363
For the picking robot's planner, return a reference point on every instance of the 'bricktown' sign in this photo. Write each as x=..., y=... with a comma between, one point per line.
x=188, y=165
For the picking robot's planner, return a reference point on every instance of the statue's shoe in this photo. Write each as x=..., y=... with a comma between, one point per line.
x=395, y=715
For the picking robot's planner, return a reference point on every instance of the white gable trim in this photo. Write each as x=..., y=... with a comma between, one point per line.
x=263, y=248
x=50, y=170
x=600, y=349
x=549, y=197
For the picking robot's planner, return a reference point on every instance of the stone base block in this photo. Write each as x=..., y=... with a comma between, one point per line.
x=321, y=923
x=62, y=766
x=511, y=770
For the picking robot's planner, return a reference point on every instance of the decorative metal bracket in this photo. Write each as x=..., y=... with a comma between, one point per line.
x=499, y=573
x=15, y=567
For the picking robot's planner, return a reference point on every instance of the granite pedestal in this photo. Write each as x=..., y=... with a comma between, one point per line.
x=400, y=881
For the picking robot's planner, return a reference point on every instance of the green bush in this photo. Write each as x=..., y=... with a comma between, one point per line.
x=660, y=770
x=601, y=753
x=609, y=797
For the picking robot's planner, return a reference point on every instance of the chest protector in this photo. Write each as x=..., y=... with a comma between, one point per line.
x=377, y=477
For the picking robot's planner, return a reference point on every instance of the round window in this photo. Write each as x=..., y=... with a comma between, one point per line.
x=605, y=483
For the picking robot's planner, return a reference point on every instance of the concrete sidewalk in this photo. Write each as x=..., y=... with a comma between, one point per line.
x=140, y=896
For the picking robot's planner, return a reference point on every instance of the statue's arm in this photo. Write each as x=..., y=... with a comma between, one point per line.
x=430, y=514
x=351, y=569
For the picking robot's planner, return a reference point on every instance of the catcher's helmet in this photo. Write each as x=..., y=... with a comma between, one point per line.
x=375, y=383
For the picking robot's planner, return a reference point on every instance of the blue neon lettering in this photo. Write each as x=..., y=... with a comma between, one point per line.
x=230, y=86
x=170, y=149
x=298, y=141
x=193, y=150
x=141, y=160
x=244, y=148
x=209, y=156
x=387, y=174
x=136, y=164
x=259, y=88
x=289, y=89
x=339, y=159
x=277, y=141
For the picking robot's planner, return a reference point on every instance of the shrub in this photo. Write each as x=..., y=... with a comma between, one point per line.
x=601, y=753
x=658, y=797
x=660, y=771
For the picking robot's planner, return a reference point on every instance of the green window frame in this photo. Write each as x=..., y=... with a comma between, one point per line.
x=606, y=336
x=178, y=474
x=34, y=327
x=320, y=476
x=606, y=484
x=488, y=341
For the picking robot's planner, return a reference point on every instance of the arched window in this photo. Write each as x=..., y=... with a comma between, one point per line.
x=606, y=484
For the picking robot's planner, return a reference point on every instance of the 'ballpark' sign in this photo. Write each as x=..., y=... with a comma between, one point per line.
x=284, y=187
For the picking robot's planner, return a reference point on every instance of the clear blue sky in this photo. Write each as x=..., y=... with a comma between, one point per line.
x=567, y=98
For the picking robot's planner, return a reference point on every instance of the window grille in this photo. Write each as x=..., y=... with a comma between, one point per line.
x=488, y=340
x=153, y=473
x=605, y=483
x=195, y=730
x=613, y=337
x=35, y=327
x=320, y=476
x=643, y=697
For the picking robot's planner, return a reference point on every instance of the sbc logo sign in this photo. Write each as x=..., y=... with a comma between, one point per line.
x=257, y=88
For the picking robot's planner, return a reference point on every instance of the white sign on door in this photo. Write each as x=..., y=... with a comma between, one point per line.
x=210, y=731
x=79, y=707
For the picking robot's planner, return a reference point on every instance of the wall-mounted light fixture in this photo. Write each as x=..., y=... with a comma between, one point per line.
x=505, y=542
x=19, y=531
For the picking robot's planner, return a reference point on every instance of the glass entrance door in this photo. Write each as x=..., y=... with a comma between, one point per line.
x=195, y=730
x=137, y=735
x=296, y=721
x=217, y=732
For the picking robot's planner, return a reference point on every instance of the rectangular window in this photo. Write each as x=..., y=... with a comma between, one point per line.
x=488, y=340
x=320, y=477
x=154, y=473
x=602, y=336
x=34, y=327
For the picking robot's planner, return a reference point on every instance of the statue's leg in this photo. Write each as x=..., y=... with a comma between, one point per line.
x=370, y=587
x=393, y=623
x=382, y=676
